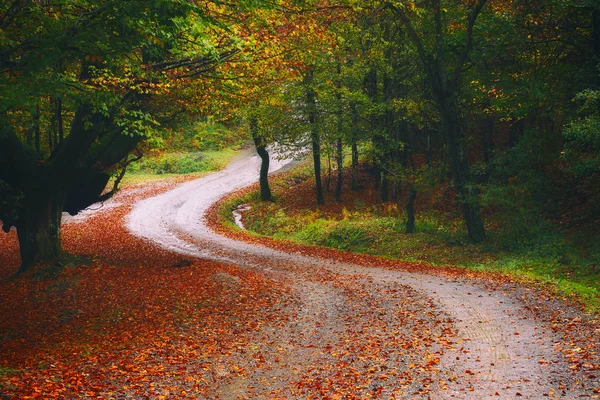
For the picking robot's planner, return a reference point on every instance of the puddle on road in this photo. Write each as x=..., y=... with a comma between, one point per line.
x=237, y=214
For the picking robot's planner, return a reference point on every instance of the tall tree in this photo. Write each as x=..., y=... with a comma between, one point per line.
x=95, y=66
x=444, y=73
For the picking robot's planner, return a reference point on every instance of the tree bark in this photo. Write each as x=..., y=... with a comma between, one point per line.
x=38, y=228
x=34, y=132
x=468, y=195
x=311, y=102
x=385, y=187
x=316, y=148
x=444, y=87
x=410, y=211
x=355, y=183
x=261, y=149
x=340, y=175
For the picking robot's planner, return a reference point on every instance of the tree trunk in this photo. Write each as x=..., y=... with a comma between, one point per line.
x=468, y=195
x=38, y=229
x=355, y=184
x=410, y=211
x=339, y=159
x=516, y=131
x=261, y=149
x=596, y=31
x=487, y=138
x=328, y=186
x=59, y=121
x=316, y=148
x=34, y=132
x=385, y=187
x=316, y=142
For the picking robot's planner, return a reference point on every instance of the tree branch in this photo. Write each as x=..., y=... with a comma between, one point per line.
x=475, y=11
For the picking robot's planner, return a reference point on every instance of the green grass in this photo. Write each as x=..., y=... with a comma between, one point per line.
x=183, y=162
x=168, y=165
x=5, y=373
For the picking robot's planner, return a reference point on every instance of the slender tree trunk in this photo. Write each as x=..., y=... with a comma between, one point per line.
x=316, y=147
x=38, y=229
x=340, y=175
x=37, y=131
x=34, y=132
x=59, y=121
x=516, y=131
x=387, y=155
x=370, y=84
x=261, y=149
x=328, y=186
x=340, y=129
x=429, y=150
x=50, y=137
x=596, y=31
x=487, y=138
x=315, y=141
x=355, y=183
x=410, y=211
x=385, y=187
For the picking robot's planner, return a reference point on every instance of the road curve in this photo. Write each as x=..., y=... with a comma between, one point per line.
x=504, y=355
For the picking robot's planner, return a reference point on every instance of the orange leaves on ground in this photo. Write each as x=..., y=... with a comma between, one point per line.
x=135, y=321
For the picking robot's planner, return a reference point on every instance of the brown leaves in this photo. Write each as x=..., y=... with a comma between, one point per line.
x=126, y=324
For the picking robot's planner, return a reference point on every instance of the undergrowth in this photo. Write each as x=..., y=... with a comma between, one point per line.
x=183, y=163
x=196, y=147
x=521, y=242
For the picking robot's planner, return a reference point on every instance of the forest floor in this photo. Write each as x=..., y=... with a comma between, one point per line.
x=175, y=310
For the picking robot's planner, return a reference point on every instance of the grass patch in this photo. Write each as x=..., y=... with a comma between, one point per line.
x=521, y=243
x=183, y=163
x=167, y=165
x=5, y=371
x=5, y=374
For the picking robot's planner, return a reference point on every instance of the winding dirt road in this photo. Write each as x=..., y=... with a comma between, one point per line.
x=468, y=342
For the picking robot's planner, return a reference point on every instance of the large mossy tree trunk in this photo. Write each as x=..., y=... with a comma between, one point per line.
x=261, y=149
x=38, y=228
x=67, y=180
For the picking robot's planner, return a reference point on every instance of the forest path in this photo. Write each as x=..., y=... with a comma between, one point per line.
x=421, y=335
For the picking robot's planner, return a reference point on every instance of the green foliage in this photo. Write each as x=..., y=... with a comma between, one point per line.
x=183, y=163
x=344, y=235
x=210, y=135
x=202, y=134
x=582, y=138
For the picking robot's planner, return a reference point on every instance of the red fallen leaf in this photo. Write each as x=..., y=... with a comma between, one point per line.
x=518, y=394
